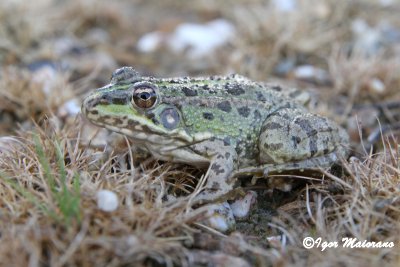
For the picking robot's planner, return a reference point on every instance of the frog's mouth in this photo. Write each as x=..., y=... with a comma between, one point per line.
x=121, y=119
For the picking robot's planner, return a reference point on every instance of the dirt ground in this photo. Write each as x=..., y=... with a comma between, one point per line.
x=54, y=163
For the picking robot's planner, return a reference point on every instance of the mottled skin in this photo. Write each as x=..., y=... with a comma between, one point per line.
x=230, y=124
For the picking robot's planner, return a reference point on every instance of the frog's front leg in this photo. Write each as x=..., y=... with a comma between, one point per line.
x=223, y=160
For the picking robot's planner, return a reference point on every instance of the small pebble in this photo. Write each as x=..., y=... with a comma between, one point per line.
x=107, y=200
x=376, y=85
x=312, y=74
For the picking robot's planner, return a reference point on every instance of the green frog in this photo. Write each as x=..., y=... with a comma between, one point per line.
x=231, y=125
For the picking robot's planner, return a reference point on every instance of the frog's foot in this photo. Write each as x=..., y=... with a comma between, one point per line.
x=221, y=216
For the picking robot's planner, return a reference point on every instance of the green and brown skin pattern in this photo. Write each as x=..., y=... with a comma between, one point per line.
x=231, y=125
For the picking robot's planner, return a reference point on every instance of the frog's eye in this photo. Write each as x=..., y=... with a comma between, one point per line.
x=144, y=96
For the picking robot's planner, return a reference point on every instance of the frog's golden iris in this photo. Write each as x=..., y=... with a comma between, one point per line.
x=144, y=96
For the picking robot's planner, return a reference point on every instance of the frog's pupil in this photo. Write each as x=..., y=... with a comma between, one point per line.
x=145, y=95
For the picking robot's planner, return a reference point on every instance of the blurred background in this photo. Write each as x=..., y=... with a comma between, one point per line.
x=52, y=52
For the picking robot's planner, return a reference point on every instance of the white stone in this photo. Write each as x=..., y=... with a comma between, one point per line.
x=377, y=85
x=150, y=42
x=285, y=5
x=201, y=39
x=107, y=200
x=197, y=39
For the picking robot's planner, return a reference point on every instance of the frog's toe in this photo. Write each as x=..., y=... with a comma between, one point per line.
x=241, y=207
x=219, y=216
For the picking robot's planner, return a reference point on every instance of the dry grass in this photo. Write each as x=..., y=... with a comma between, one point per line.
x=52, y=162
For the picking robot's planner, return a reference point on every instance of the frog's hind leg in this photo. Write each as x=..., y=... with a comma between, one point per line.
x=292, y=135
x=292, y=139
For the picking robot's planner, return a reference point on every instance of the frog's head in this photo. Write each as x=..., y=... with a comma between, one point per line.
x=132, y=105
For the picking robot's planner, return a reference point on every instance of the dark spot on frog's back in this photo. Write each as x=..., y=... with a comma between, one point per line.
x=224, y=106
x=272, y=126
x=260, y=96
x=273, y=147
x=227, y=141
x=244, y=111
x=189, y=92
x=208, y=116
x=234, y=89
x=94, y=112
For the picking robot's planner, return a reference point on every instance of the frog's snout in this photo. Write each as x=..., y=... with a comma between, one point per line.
x=89, y=104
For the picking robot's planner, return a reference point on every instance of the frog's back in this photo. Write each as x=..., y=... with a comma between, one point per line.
x=234, y=87
x=224, y=105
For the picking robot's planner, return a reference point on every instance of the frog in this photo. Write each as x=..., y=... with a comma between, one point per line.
x=229, y=125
